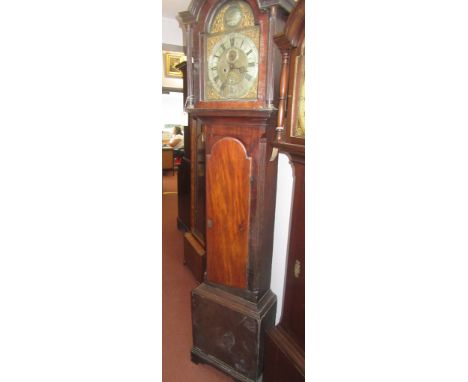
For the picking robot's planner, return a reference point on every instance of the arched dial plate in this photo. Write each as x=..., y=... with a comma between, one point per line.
x=232, y=66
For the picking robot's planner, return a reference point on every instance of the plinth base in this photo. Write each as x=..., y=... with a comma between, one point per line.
x=229, y=331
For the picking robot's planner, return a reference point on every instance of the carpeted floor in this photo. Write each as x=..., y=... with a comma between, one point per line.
x=176, y=314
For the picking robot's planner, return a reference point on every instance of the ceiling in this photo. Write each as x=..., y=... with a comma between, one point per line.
x=170, y=8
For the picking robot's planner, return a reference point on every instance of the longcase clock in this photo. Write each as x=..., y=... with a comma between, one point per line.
x=285, y=343
x=233, y=77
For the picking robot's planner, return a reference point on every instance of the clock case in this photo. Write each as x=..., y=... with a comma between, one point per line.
x=285, y=343
x=234, y=306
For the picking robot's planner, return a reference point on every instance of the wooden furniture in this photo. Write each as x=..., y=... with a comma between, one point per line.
x=184, y=169
x=168, y=159
x=191, y=188
x=232, y=82
x=195, y=239
x=284, y=347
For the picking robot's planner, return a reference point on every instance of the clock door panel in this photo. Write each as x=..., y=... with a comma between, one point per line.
x=227, y=206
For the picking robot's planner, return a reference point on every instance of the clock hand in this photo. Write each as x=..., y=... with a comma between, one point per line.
x=223, y=84
x=241, y=69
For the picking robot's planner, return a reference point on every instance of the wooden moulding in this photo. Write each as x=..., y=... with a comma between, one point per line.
x=260, y=114
x=228, y=331
x=194, y=256
x=282, y=349
x=288, y=38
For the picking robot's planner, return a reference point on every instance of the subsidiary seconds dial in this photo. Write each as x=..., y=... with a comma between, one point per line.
x=233, y=66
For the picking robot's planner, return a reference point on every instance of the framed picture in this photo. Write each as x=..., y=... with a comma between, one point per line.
x=171, y=59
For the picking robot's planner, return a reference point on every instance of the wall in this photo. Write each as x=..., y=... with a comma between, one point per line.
x=172, y=108
x=172, y=103
x=281, y=233
x=171, y=32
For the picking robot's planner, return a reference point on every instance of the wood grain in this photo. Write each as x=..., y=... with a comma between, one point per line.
x=228, y=331
x=228, y=213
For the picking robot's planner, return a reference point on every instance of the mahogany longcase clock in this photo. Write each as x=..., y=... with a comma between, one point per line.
x=285, y=343
x=233, y=76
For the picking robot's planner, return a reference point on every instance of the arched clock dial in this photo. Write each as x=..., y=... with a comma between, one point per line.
x=233, y=66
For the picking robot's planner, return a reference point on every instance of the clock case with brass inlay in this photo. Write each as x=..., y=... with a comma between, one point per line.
x=234, y=306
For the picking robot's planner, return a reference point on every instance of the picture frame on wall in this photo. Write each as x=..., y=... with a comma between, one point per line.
x=171, y=60
x=172, y=78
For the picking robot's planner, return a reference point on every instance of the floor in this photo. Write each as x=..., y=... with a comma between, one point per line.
x=177, y=284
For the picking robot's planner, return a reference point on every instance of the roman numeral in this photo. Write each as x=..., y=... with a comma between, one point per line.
x=248, y=76
x=250, y=51
x=252, y=64
x=232, y=41
x=241, y=43
x=216, y=79
x=213, y=68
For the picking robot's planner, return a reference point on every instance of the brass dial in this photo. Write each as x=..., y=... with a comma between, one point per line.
x=300, y=126
x=232, y=66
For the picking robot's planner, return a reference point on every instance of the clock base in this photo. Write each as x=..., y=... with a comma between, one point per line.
x=229, y=331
